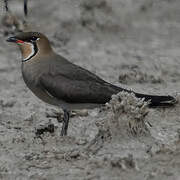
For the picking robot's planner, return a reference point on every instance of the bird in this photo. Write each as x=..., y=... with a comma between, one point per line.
x=25, y=6
x=59, y=82
x=11, y=22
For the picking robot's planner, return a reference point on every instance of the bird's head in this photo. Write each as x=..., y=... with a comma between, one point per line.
x=31, y=44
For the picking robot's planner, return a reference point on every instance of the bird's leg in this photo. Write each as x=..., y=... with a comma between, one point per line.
x=25, y=23
x=65, y=123
x=6, y=5
x=25, y=7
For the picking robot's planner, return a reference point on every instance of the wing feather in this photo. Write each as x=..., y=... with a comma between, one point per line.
x=76, y=91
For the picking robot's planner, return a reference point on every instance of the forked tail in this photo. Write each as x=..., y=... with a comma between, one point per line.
x=158, y=101
x=155, y=100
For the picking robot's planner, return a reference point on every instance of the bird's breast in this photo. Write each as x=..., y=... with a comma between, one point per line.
x=31, y=75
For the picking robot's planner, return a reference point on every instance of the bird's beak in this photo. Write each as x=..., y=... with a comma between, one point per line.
x=14, y=40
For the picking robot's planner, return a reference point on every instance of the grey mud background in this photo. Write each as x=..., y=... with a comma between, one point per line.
x=132, y=43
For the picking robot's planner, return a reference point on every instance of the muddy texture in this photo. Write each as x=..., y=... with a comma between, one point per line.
x=133, y=44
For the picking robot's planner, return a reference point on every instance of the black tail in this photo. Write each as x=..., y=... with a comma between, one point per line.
x=157, y=101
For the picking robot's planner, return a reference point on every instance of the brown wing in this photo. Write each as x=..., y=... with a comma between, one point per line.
x=60, y=66
x=76, y=91
x=74, y=84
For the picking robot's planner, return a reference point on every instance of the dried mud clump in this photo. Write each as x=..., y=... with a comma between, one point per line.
x=127, y=115
x=43, y=129
x=91, y=5
x=134, y=74
x=98, y=15
x=125, y=162
x=64, y=32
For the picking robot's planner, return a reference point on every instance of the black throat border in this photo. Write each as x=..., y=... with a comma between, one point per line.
x=35, y=51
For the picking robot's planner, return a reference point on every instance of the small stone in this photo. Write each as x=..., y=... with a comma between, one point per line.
x=83, y=112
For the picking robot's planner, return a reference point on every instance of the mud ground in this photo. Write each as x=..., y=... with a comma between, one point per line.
x=133, y=44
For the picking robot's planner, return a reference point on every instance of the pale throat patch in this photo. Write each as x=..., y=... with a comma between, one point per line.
x=30, y=52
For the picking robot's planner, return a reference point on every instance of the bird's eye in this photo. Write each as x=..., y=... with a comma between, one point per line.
x=34, y=38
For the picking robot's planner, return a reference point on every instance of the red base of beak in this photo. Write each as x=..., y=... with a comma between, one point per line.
x=19, y=41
